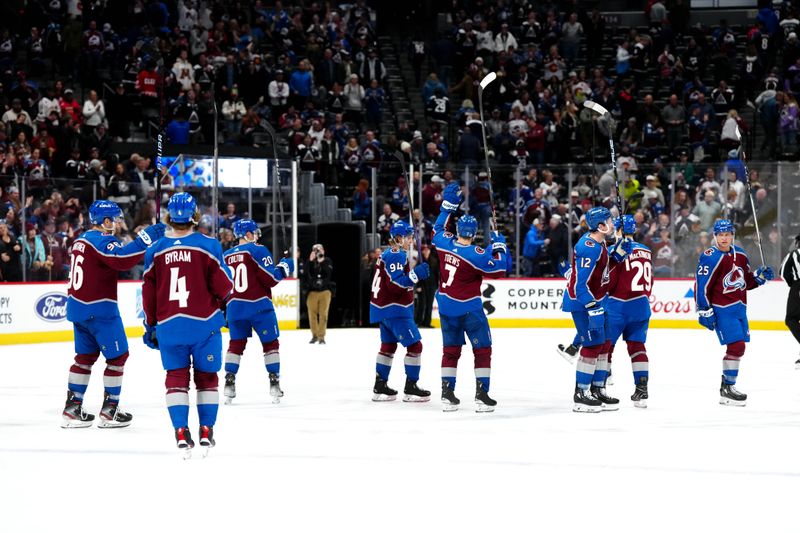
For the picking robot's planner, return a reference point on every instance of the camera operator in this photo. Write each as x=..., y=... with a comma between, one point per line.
x=318, y=278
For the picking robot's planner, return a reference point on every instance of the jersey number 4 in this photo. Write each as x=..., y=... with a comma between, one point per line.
x=177, y=288
x=376, y=282
x=643, y=277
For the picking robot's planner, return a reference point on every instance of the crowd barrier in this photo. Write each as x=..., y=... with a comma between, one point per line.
x=36, y=312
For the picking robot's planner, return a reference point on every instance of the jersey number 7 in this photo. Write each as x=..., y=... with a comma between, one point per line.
x=451, y=271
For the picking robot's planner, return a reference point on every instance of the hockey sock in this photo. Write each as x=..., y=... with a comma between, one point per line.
x=585, y=366
x=80, y=372
x=483, y=366
x=730, y=363
x=450, y=364
x=383, y=363
x=272, y=358
x=112, y=377
x=413, y=361
x=177, y=384
x=639, y=361
x=234, y=355
x=601, y=367
x=206, y=384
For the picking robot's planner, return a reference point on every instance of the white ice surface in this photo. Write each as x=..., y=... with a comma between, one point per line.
x=328, y=459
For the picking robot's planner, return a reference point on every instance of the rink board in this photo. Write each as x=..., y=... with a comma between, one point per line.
x=37, y=312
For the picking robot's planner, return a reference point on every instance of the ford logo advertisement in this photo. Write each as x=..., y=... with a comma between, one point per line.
x=52, y=307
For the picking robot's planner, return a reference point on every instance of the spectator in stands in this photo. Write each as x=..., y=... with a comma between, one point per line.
x=789, y=122
x=362, y=202
x=301, y=84
x=432, y=197
x=385, y=222
x=178, y=130
x=674, y=116
x=12, y=115
x=708, y=210
x=399, y=200
x=10, y=254
x=374, y=99
x=571, y=33
x=535, y=240
x=233, y=111
x=33, y=254
x=354, y=94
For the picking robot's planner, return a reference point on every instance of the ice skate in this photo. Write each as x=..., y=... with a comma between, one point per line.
x=313, y=340
x=569, y=353
x=449, y=400
x=275, y=388
x=111, y=416
x=609, y=403
x=728, y=395
x=206, y=439
x=639, y=396
x=412, y=393
x=230, y=388
x=483, y=403
x=382, y=392
x=185, y=443
x=74, y=416
x=585, y=402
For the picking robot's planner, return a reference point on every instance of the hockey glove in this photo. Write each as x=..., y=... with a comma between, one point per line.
x=451, y=197
x=150, y=339
x=499, y=243
x=620, y=250
x=564, y=267
x=597, y=316
x=420, y=272
x=151, y=234
x=764, y=274
x=286, y=265
x=707, y=318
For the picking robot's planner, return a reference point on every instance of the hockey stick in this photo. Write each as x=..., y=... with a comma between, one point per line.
x=743, y=159
x=271, y=131
x=489, y=78
x=603, y=112
x=400, y=159
x=160, y=145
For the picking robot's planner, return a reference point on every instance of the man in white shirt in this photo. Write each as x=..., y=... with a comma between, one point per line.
x=183, y=71
x=504, y=40
x=278, y=91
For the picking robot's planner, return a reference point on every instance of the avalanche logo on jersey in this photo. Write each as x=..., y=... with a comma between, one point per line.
x=606, y=276
x=734, y=280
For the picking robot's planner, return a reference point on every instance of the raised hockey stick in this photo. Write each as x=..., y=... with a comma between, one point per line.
x=400, y=159
x=160, y=144
x=489, y=78
x=603, y=112
x=743, y=159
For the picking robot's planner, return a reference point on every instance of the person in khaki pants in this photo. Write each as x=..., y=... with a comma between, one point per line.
x=320, y=290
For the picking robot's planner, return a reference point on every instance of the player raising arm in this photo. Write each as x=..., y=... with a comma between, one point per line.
x=392, y=305
x=462, y=267
x=628, y=306
x=185, y=283
x=250, y=307
x=96, y=259
x=721, y=284
x=587, y=289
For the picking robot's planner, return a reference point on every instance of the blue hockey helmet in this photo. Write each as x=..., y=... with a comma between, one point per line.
x=627, y=223
x=103, y=209
x=467, y=226
x=182, y=207
x=242, y=226
x=723, y=225
x=401, y=228
x=596, y=216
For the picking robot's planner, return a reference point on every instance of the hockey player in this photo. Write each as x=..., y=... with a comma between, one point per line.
x=392, y=305
x=96, y=258
x=587, y=289
x=185, y=284
x=462, y=267
x=250, y=307
x=790, y=272
x=628, y=305
x=721, y=284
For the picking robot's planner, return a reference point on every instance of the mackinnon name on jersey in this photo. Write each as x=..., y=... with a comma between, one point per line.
x=178, y=255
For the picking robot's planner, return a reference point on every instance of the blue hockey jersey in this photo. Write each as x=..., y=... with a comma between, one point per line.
x=589, y=279
x=392, y=289
x=254, y=275
x=95, y=261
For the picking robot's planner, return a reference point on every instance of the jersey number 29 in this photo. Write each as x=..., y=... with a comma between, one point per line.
x=643, y=277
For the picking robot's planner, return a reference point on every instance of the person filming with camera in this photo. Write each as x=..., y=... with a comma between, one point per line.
x=318, y=278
